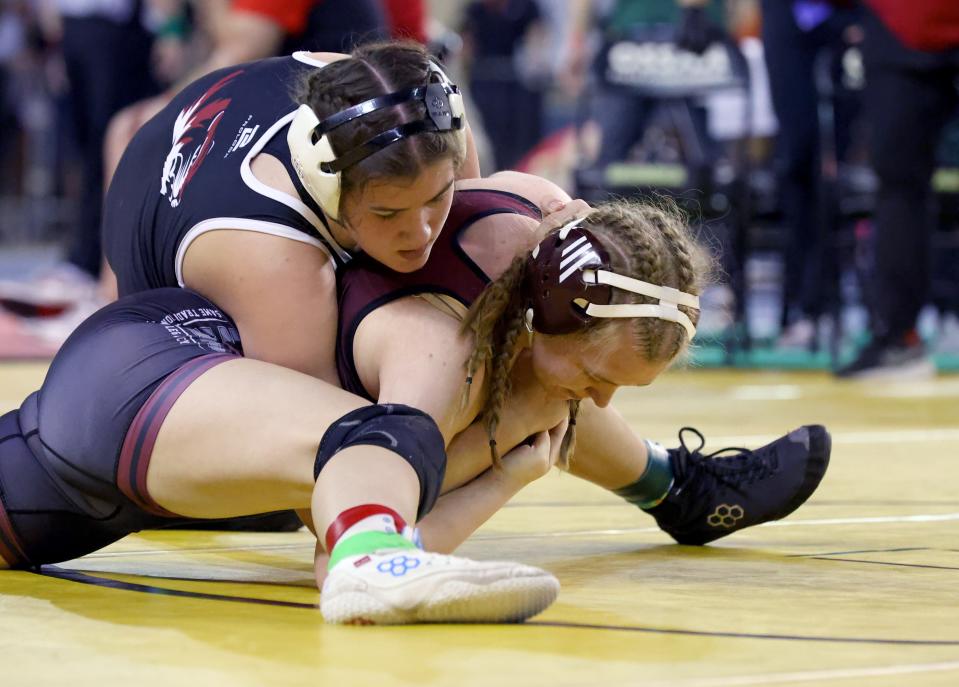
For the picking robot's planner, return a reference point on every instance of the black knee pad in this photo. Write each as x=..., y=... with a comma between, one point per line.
x=406, y=431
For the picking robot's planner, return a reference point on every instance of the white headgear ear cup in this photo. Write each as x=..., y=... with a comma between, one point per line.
x=307, y=157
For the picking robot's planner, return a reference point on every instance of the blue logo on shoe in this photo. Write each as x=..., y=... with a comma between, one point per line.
x=398, y=566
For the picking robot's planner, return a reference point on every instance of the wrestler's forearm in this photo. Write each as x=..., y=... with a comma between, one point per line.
x=468, y=456
x=460, y=512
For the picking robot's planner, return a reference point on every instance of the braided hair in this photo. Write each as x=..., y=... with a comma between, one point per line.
x=650, y=241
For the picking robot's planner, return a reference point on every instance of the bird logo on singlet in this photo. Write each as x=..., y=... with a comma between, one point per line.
x=193, y=133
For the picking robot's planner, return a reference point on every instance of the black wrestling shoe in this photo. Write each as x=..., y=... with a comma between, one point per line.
x=714, y=495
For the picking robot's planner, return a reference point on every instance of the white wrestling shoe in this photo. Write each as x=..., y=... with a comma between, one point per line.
x=401, y=586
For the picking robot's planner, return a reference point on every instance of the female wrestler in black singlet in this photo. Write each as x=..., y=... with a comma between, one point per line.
x=256, y=181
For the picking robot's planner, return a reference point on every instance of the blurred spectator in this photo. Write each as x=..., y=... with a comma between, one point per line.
x=35, y=122
x=407, y=19
x=107, y=46
x=247, y=30
x=12, y=41
x=797, y=35
x=83, y=60
x=494, y=32
x=621, y=115
x=911, y=55
x=107, y=52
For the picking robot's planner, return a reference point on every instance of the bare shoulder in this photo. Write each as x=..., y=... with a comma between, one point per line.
x=408, y=351
x=493, y=242
x=537, y=190
x=247, y=268
x=270, y=171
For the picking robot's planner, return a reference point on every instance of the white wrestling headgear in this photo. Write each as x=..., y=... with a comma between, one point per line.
x=319, y=167
x=568, y=281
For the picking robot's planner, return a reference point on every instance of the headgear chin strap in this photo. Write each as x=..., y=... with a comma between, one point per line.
x=318, y=166
x=569, y=280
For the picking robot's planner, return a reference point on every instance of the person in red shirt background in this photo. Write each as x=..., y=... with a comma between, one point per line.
x=911, y=57
x=924, y=25
x=325, y=25
x=407, y=19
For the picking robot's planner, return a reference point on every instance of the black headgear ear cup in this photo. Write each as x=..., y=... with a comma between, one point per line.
x=554, y=280
x=569, y=281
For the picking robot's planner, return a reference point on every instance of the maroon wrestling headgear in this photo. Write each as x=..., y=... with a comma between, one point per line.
x=569, y=281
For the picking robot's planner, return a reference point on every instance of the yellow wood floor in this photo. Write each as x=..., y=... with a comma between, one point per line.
x=858, y=587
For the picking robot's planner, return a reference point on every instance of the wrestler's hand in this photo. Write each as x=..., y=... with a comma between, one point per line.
x=557, y=212
x=532, y=459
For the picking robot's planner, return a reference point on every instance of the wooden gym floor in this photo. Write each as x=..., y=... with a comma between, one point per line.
x=858, y=587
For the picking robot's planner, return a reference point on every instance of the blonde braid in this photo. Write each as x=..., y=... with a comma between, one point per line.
x=568, y=446
x=688, y=279
x=495, y=321
x=500, y=381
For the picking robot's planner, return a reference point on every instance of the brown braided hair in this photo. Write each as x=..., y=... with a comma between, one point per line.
x=372, y=70
x=648, y=240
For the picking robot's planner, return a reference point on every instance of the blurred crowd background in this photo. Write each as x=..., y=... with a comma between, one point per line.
x=813, y=141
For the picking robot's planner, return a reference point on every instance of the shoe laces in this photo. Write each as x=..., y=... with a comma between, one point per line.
x=743, y=467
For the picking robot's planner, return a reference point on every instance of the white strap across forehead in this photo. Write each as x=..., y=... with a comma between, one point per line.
x=663, y=293
x=667, y=309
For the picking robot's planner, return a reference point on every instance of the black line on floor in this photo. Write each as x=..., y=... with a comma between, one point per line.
x=901, y=565
x=845, y=553
x=83, y=578
x=202, y=549
x=175, y=578
x=882, y=502
x=812, y=504
x=745, y=635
